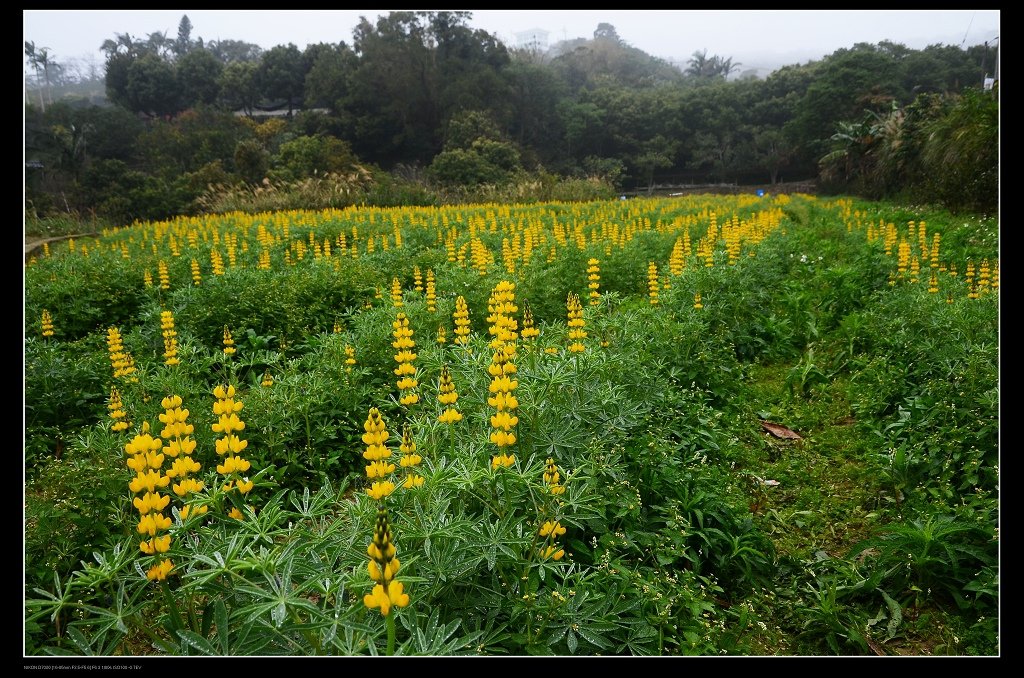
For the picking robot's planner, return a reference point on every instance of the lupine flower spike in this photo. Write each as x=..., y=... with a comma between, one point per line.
x=448, y=397
x=117, y=413
x=229, y=343
x=383, y=567
x=375, y=437
x=410, y=460
x=502, y=398
x=530, y=330
x=406, y=371
x=576, y=332
x=652, y=283
x=461, y=316
x=229, y=446
x=46, y=324
x=170, y=338
x=179, y=447
x=552, y=478
x=593, y=281
x=146, y=460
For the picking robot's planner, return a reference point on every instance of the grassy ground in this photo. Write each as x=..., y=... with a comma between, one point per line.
x=825, y=502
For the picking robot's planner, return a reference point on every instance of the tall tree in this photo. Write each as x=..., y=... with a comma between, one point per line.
x=183, y=44
x=229, y=51
x=239, y=86
x=39, y=59
x=394, y=91
x=710, y=69
x=282, y=75
x=199, y=74
x=152, y=87
x=328, y=80
x=158, y=43
x=123, y=43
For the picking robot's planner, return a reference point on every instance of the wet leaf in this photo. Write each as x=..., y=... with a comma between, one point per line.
x=780, y=431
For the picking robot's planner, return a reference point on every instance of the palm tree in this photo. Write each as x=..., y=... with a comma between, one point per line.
x=124, y=44
x=43, y=65
x=700, y=66
x=160, y=43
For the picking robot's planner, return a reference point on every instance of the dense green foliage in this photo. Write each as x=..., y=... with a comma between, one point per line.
x=688, y=529
x=438, y=111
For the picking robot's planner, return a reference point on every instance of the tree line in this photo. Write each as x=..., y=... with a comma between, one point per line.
x=422, y=97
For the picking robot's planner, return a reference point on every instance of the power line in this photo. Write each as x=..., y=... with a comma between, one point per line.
x=969, y=24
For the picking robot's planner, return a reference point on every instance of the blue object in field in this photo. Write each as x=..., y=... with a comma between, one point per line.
x=760, y=193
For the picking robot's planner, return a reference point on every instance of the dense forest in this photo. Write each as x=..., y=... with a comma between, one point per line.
x=421, y=108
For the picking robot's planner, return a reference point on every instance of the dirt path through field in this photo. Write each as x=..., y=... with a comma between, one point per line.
x=32, y=243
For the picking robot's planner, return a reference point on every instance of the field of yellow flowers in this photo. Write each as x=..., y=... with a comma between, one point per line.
x=516, y=429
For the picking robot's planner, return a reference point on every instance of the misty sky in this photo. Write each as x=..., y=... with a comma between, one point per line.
x=750, y=36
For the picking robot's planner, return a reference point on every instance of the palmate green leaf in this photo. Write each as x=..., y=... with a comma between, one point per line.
x=220, y=612
x=190, y=639
x=81, y=643
x=641, y=635
x=433, y=638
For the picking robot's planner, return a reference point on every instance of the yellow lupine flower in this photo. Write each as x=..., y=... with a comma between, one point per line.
x=151, y=501
x=576, y=323
x=175, y=447
x=46, y=324
x=503, y=460
x=182, y=466
x=461, y=317
x=143, y=443
x=156, y=545
x=138, y=463
x=390, y=570
x=504, y=420
x=154, y=460
x=160, y=571
x=652, y=283
x=450, y=416
x=151, y=523
x=552, y=477
x=198, y=509
x=381, y=489
x=116, y=410
x=229, y=343
x=385, y=601
x=228, y=424
x=186, y=487
x=552, y=527
x=379, y=469
x=149, y=481
x=503, y=401
x=223, y=392
x=383, y=568
x=412, y=480
x=233, y=464
x=231, y=444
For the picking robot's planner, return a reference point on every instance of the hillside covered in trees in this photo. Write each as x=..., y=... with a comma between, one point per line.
x=421, y=108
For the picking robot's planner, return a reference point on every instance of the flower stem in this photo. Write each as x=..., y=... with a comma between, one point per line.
x=389, y=621
x=172, y=606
